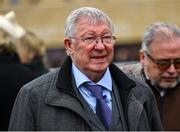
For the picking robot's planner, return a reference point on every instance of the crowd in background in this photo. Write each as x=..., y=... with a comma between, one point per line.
x=21, y=60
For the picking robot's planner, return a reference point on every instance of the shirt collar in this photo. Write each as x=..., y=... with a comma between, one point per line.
x=80, y=78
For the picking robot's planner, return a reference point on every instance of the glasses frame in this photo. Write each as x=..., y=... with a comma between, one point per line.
x=166, y=62
x=113, y=38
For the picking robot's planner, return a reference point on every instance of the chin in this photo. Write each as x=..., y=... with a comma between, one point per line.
x=167, y=85
x=100, y=67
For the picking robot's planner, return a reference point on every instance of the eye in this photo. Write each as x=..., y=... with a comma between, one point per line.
x=89, y=39
x=107, y=39
x=177, y=61
x=163, y=63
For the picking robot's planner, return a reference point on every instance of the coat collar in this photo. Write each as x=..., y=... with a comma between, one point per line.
x=65, y=75
x=63, y=81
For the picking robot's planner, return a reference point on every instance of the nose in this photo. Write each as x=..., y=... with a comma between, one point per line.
x=97, y=40
x=172, y=68
x=99, y=44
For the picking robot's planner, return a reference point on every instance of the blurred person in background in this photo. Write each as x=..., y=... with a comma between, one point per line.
x=88, y=92
x=159, y=67
x=13, y=75
x=31, y=52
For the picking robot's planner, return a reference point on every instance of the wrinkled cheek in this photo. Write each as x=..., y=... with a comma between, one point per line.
x=78, y=57
x=111, y=55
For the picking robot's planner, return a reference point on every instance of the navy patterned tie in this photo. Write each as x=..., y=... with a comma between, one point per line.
x=102, y=110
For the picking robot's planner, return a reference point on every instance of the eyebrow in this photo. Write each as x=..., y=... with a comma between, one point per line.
x=160, y=59
x=95, y=34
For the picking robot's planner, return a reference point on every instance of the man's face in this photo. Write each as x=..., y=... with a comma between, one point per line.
x=167, y=78
x=91, y=58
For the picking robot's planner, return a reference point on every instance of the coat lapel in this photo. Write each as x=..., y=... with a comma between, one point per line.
x=67, y=97
x=131, y=105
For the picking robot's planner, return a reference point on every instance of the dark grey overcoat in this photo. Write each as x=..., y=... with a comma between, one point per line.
x=50, y=103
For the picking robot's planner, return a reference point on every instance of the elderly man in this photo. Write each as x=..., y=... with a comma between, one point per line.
x=88, y=92
x=159, y=67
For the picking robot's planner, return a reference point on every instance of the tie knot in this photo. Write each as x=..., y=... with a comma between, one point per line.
x=96, y=90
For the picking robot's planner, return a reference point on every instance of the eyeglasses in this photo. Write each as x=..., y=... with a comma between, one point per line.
x=164, y=64
x=95, y=40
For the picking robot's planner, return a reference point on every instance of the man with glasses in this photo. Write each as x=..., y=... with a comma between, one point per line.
x=88, y=92
x=160, y=68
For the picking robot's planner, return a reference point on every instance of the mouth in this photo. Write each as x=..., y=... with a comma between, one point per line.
x=101, y=58
x=169, y=79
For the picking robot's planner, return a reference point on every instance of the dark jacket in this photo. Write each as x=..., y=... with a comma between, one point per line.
x=13, y=76
x=37, y=66
x=168, y=103
x=51, y=103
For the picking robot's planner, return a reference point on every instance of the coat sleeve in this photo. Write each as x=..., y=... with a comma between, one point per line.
x=22, y=117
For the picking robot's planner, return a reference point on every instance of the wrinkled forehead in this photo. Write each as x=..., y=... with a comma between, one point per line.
x=93, y=20
x=86, y=25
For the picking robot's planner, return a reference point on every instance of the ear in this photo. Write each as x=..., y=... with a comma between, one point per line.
x=68, y=46
x=141, y=57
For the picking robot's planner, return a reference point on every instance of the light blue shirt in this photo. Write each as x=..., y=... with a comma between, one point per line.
x=106, y=82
